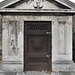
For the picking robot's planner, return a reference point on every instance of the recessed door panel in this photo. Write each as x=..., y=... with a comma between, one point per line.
x=37, y=46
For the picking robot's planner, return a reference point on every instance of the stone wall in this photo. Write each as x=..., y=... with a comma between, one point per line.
x=74, y=38
x=74, y=23
x=0, y=37
x=13, y=29
x=0, y=24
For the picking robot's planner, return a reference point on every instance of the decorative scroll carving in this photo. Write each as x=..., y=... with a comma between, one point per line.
x=37, y=27
x=62, y=22
x=12, y=37
x=62, y=37
x=62, y=19
x=38, y=4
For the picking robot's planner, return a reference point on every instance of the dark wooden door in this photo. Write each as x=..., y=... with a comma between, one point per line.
x=37, y=46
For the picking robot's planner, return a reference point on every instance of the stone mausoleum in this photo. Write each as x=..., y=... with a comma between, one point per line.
x=37, y=37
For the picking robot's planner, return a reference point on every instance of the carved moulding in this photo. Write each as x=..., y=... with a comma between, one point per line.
x=12, y=38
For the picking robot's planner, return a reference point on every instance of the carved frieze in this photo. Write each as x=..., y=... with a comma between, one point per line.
x=12, y=37
x=62, y=19
x=62, y=22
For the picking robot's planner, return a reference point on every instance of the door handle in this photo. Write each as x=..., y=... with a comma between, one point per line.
x=48, y=33
x=48, y=56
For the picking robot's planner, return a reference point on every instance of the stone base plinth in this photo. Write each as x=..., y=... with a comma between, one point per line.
x=12, y=67
x=62, y=66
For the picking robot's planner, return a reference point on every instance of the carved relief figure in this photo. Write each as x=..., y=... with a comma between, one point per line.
x=13, y=47
x=13, y=37
x=38, y=4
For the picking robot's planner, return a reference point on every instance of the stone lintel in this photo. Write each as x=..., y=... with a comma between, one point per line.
x=36, y=11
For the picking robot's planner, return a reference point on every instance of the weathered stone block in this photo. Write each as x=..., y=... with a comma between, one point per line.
x=12, y=67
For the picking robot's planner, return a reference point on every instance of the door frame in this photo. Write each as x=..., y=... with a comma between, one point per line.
x=25, y=42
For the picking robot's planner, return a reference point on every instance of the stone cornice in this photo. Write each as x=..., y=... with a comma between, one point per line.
x=43, y=10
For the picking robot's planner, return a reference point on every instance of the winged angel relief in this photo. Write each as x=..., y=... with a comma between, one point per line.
x=38, y=4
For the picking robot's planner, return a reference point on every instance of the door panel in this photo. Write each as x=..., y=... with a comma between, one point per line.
x=37, y=46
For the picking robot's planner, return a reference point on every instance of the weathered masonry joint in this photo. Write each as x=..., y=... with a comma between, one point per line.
x=36, y=37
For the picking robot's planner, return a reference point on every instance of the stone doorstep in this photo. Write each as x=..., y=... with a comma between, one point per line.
x=24, y=73
x=53, y=73
x=38, y=73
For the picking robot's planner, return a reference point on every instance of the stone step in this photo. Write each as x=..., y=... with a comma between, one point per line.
x=33, y=73
x=37, y=73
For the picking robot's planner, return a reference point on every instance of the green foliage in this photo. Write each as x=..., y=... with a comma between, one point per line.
x=74, y=46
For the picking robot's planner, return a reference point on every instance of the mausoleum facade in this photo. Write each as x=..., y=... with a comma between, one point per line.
x=37, y=37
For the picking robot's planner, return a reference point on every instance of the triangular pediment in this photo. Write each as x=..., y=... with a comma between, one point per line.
x=32, y=4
